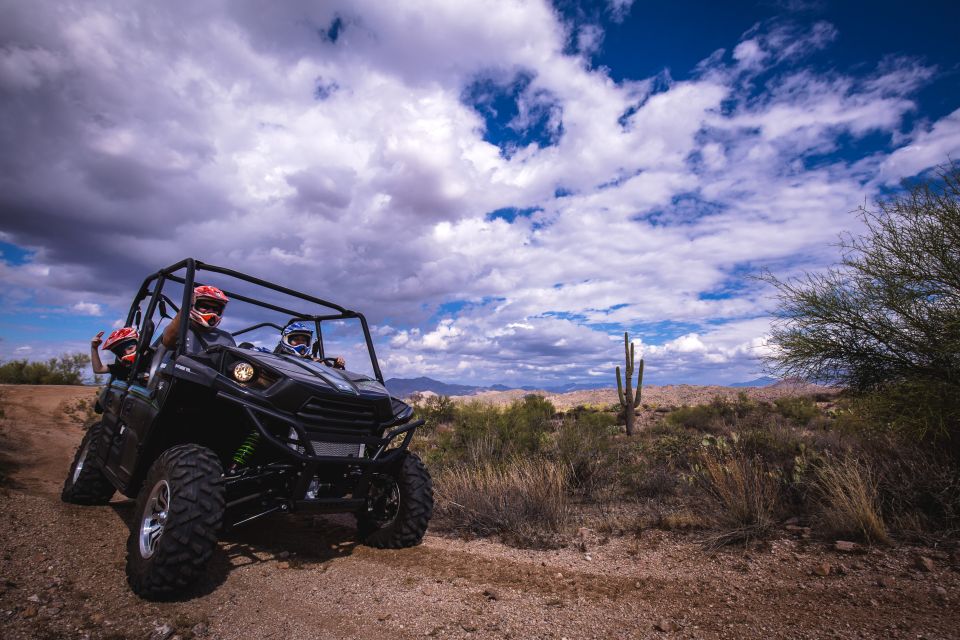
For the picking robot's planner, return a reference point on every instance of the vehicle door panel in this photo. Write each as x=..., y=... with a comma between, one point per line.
x=111, y=400
x=137, y=413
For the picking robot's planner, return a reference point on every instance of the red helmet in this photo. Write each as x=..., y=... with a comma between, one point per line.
x=119, y=340
x=214, y=301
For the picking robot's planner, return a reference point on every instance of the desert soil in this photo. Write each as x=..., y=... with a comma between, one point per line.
x=62, y=574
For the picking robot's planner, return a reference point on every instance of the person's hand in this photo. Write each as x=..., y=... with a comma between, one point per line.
x=96, y=340
x=340, y=363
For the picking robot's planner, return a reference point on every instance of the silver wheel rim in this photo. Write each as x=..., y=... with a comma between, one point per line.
x=80, y=460
x=391, y=505
x=154, y=518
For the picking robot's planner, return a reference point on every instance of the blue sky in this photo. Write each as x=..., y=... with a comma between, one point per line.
x=502, y=186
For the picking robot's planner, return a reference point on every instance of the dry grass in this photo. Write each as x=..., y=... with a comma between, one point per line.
x=849, y=503
x=743, y=496
x=80, y=411
x=524, y=501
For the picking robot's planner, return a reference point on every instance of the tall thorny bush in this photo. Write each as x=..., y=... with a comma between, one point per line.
x=886, y=321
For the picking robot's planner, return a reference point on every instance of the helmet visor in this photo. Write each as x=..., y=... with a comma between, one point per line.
x=297, y=339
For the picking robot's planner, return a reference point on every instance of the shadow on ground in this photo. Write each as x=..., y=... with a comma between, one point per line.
x=302, y=541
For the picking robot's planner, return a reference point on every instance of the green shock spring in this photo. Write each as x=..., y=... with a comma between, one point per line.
x=245, y=452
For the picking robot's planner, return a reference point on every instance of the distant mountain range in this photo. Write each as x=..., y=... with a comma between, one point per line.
x=402, y=387
x=763, y=381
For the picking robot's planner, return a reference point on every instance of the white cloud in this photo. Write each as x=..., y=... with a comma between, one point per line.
x=87, y=308
x=930, y=145
x=620, y=9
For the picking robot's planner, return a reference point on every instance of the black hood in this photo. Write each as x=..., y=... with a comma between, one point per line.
x=315, y=374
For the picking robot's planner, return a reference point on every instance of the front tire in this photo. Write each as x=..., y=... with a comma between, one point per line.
x=85, y=483
x=400, y=507
x=179, y=512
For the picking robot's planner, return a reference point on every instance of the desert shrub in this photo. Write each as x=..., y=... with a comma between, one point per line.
x=799, y=409
x=918, y=410
x=656, y=482
x=849, y=500
x=81, y=410
x=65, y=369
x=524, y=501
x=436, y=410
x=477, y=432
x=711, y=417
x=526, y=424
x=742, y=495
x=716, y=416
x=673, y=447
x=886, y=321
x=918, y=490
x=771, y=441
x=583, y=443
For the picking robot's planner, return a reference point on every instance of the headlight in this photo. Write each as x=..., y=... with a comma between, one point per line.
x=243, y=372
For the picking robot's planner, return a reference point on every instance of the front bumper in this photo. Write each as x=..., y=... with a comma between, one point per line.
x=305, y=449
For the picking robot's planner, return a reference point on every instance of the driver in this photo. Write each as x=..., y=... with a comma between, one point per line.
x=295, y=340
x=123, y=344
x=206, y=312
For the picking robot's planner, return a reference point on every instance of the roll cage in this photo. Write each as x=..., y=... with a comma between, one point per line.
x=186, y=273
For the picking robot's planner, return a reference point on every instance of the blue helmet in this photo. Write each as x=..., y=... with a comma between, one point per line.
x=291, y=330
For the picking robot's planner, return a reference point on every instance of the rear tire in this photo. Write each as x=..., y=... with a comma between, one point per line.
x=85, y=483
x=408, y=524
x=174, y=530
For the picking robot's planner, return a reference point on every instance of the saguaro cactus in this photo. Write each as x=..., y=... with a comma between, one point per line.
x=628, y=399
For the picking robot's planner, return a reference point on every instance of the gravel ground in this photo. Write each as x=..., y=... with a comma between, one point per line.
x=62, y=576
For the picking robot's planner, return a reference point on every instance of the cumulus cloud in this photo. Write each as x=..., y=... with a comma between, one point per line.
x=87, y=308
x=312, y=144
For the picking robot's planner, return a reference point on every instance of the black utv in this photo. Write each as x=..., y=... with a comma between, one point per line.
x=210, y=435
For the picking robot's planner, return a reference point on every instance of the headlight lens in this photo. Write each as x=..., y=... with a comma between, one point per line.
x=243, y=372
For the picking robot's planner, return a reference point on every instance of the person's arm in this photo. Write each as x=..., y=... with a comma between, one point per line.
x=171, y=334
x=95, y=363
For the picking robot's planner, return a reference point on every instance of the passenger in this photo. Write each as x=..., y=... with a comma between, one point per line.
x=296, y=339
x=123, y=344
x=206, y=312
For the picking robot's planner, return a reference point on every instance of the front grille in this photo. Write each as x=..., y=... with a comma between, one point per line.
x=337, y=449
x=338, y=413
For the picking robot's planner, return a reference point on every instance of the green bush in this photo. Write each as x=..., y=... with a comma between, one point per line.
x=66, y=369
x=885, y=322
x=436, y=410
x=800, y=410
x=477, y=432
x=714, y=417
x=584, y=445
x=676, y=449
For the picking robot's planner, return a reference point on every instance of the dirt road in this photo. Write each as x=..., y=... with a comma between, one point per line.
x=62, y=576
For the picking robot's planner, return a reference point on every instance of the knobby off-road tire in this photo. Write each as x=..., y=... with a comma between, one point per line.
x=85, y=483
x=413, y=514
x=174, y=530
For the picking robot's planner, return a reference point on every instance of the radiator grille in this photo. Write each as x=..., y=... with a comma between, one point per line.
x=336, y=412
x=337, y=449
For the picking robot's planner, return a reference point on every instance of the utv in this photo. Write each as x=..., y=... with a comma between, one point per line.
x=211, y=435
